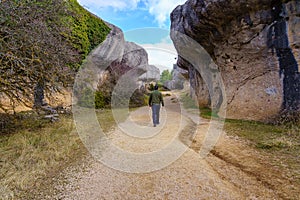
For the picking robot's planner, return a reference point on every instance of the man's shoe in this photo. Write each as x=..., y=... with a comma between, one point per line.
x=154, y=125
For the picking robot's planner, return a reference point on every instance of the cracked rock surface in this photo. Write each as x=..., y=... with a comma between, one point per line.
x=234, y=33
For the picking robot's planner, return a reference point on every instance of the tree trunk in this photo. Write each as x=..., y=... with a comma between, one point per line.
x=39, y=95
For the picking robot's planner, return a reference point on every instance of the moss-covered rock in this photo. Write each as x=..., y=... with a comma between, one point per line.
x=87, y=30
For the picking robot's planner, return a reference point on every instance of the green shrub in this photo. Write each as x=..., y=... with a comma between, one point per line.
x=91, y=99
x=87, y=30
x=207, y=113
x=99, y=100
x=188, y=102
x=87, y=98
x=146, y=99
x=151, y=87
x=44, y=41
x=166, y=75
x=137, y=99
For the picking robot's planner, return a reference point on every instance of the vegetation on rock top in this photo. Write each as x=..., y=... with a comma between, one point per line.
x=43, y=42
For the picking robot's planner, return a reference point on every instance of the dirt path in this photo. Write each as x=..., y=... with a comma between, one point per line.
x=232, y=171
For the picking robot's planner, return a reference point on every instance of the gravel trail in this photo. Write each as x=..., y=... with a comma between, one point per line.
x=232, y=170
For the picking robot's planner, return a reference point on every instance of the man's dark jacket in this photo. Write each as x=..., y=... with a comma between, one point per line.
x=156, y=98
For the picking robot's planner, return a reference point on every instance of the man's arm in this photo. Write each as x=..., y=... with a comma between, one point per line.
x=150, y=100
x=162, y=100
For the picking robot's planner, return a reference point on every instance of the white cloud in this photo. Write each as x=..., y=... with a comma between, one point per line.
x=161, y=9
x=162, y=55
x=115, y=4
x=166, y=41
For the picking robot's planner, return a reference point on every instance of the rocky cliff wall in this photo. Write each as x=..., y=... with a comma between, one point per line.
x=116, y=58
x=152, y=74
x=179, y=76
x=246, y=40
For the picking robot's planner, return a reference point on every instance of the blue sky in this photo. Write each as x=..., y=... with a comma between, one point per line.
x=133, y=14
x=145, y=22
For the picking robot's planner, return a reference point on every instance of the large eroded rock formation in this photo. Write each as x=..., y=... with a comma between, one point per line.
x=178, y=78
x=113, y=61
x=255, y=45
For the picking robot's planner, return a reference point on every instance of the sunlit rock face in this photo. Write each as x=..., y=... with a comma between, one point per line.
x=152, y=74
x=179, y=76
x=115, y=58
x=255, y=45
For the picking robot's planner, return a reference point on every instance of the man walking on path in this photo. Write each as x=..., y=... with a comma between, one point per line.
x=155, y=100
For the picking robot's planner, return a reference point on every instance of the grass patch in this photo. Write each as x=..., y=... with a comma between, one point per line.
x=25, y=120
x=265, y=136
x=146, y=99
x=207, y=113
x=30, y=154
x=106, y=119
x=188, y=102
x=281, y=142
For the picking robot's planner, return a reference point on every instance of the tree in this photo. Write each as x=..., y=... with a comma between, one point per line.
x=42, y=44
x=165, y=76
x=32, y=49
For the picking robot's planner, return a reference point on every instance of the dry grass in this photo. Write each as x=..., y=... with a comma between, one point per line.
x=29, y=155
x=106, y=119
x=280, y=142
x=35, y=150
